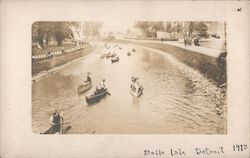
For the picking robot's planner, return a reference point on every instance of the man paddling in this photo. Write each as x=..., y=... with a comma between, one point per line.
x=102, y=87
x=56, y=120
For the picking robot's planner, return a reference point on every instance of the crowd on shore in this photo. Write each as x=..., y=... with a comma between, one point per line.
x=188, y=40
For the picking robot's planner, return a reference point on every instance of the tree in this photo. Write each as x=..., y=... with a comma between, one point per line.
x=179, y=28
x=191, y=28
x=144, y=26
x=169, y=27
x=92, y=29
x=201, y=29
x=45, y=30
x=60, y=36
x=156, y=26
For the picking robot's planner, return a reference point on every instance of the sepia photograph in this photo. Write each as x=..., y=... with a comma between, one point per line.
x=124, y=79
x=129, y=77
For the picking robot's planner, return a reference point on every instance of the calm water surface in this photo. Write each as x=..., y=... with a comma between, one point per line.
x=170, y=103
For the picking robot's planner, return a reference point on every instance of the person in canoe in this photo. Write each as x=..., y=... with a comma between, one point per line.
x=88, y=77
x=103, y=84
x=101, y=88
x=87, y=84
x=134, y=84
x=56, y=120
x=136, y=88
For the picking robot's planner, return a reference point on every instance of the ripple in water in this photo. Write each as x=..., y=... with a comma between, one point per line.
x=176, y=99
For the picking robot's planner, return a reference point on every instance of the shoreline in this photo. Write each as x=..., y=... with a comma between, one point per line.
x=56, y=64
x=208, y=66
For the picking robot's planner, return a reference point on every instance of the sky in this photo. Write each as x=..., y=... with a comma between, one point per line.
x=117, y=25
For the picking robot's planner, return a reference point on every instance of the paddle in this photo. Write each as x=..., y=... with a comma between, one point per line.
x=65, y=123
x=108, y=93
x=61, y=131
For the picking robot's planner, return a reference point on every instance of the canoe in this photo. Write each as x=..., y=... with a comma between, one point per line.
x=133, y=50
x=136, y=93
x=64, y=130
x=128, y=54
x=115, y=59
x=110, y=55
x=96, y=96
x=84, y=87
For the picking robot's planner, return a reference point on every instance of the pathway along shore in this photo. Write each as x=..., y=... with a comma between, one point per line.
x=47, y=64
x=213, y=68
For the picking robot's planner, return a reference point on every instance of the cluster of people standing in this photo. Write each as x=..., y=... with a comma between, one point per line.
x=188, y=40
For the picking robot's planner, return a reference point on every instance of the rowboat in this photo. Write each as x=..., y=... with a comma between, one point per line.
x=136, y=92
x=96, y=96
x=84, y=87
x=115, y=59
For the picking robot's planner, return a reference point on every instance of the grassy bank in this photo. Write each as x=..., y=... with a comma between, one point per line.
x=212, y=68
x=47, y=64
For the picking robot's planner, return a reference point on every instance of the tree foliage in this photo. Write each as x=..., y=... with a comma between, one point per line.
x=92, y=28
x=44, y=31
x=149, y=28
x=201, y=29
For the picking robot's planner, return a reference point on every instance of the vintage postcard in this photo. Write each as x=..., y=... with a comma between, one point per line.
x=125, y=79
x=149, y=77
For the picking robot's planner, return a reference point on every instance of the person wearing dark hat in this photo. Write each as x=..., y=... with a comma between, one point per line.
x=56, y=120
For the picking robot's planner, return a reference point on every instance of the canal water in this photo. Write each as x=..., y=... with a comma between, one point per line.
x=171, y=104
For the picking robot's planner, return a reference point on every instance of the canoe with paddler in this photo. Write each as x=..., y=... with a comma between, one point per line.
x=58, y=126
x=87, y=84
x=100, y=92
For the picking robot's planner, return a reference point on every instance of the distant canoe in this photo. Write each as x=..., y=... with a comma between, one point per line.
x=96, y=97
x=128, y=54
x=84, y=87
x=110, y=55
x=133, y=50
x=115, y=59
